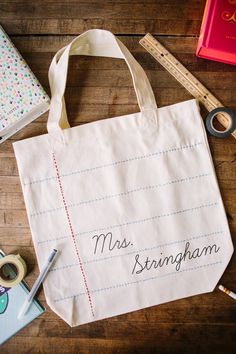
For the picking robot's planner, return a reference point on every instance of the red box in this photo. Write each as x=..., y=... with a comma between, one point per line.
x=217, y=40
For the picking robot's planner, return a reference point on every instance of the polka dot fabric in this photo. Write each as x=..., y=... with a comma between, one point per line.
x=20, y=91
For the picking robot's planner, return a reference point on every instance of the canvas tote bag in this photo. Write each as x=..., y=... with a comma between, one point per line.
x=131, y=203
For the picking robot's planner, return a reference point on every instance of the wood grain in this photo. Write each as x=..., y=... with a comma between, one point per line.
x=71, y=17
x=100, y=88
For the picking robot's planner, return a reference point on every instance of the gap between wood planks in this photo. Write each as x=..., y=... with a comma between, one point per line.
x=125, y=35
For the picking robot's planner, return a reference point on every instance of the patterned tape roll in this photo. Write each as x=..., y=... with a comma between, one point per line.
x=19, y=270
x=231, y=118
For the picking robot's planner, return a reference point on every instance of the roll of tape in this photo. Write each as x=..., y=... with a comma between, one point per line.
x=232, y=122
x=20, y=270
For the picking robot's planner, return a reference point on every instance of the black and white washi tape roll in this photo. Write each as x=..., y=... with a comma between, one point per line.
x=231, y=120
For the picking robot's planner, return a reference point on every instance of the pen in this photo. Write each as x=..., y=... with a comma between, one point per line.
x=228, y=292
x=36, y=285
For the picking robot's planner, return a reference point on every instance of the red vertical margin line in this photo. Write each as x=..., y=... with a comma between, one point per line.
x=73, y=234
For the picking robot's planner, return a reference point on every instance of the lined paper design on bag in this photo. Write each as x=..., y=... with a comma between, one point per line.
x=109, y=243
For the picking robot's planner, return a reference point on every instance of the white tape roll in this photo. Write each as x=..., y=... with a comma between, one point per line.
x=20, y=269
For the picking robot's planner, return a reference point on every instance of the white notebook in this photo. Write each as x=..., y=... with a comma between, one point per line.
x=22, y=98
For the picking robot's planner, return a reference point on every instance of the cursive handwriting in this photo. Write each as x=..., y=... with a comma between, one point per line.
x=148, y=264
x=228, y=16
x=106, y=242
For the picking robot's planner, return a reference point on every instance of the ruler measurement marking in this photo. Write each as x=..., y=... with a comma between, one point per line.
x=179, y=74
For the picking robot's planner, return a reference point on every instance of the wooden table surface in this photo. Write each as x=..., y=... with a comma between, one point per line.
x=102, y=88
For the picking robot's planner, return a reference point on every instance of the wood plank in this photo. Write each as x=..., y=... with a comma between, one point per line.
x=76, y=96
x=105, y=2
x=10, y=184
x=160, y=339
x=11, y=201
x=119, y=17
x=13, y=218
x=15, y=237
x=158, y=79
x=97, y=9
x=116, y=26
x=108, y=328
x=183, y=49
x=85, y=76
x=51, y=43
x=40, y=65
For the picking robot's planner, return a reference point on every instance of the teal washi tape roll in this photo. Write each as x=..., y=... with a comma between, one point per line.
x=231, y=119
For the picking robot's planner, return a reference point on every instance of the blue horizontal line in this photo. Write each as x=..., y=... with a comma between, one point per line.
x=136, y=281
x=115, y=163
x=139, y=221
x=122, y=194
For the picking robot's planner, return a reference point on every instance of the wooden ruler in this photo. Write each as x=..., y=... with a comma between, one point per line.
x=181, y=74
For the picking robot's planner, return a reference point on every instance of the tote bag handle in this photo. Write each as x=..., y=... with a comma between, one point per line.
x=94, y=43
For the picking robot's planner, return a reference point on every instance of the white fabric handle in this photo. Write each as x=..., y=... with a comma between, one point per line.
x=94, y=43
